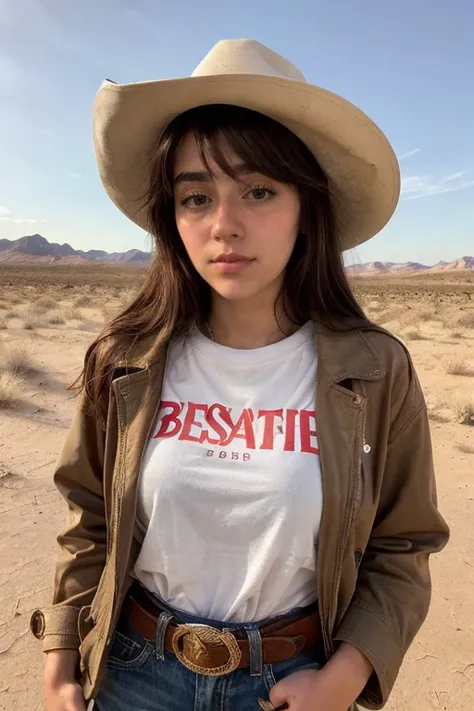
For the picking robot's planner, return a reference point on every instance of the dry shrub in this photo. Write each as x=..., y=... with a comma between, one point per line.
x=3, y=323
x=43, y=304
x=11, y=385
x=435, y=416
x=465, y=411
x=465, y=448
x=459, y=367
x=456, y=334
x=13, y=313
x=72, y=314
x=83, y=302
x=466, y=320
x=389, y=315
x=18, y=361
x=427, y=315
x=55, y=319
x=3, y=306
x=31, y=318
x=413, y=334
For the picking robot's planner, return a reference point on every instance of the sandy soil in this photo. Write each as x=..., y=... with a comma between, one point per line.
x=438, y=672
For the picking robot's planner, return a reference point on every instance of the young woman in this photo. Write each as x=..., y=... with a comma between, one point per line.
x=249, y=471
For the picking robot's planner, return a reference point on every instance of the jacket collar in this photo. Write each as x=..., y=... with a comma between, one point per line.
x=342, y=354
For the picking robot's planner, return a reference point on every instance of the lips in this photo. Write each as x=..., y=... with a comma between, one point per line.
x=231, y=258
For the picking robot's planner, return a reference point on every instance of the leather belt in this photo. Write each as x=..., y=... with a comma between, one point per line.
x=210, y=651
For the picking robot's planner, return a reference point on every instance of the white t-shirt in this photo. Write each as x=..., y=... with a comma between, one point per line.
x=230, y=492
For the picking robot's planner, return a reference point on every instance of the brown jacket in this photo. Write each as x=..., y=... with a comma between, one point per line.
x=379, y=524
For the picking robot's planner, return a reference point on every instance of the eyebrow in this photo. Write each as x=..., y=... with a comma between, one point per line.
x=202, y=176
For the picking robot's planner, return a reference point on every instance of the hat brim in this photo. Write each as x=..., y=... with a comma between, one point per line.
x=356, y=156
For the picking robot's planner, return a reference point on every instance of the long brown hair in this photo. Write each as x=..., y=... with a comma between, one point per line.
x=173, y=296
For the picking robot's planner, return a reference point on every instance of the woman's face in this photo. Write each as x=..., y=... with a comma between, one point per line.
x=240, y=234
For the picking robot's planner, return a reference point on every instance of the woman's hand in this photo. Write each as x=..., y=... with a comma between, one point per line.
x=334, y=688
x=308, y=690
x=62, y=691
x=64, y=696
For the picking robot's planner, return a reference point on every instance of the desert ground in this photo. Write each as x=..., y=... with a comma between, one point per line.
x=48, y=316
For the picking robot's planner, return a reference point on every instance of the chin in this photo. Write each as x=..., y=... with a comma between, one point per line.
x=234, y=292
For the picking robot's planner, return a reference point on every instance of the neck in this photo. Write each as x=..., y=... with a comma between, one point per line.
x=245, y=325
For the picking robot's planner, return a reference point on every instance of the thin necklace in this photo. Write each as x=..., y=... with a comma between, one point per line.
x=213, y=338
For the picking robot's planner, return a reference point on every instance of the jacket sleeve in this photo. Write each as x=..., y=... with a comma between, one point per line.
x=393, y=590
x=82, y=554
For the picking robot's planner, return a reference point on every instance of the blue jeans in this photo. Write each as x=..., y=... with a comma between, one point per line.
x=136, y=680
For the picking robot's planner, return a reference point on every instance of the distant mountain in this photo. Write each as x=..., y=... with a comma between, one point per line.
x=463, y=263
x=33, y=248
x=36, y=248
x=406, y=267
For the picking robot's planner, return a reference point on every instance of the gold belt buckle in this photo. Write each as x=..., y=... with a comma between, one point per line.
x=202, y=636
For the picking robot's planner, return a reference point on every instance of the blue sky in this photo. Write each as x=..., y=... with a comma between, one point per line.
x=408, y=63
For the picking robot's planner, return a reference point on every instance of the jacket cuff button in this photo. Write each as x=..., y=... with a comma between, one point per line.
x=357, y=400
x=37, y=624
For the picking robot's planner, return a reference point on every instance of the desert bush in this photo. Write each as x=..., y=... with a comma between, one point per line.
x=43, y=304
x=15, y=300
x=456, y=334
x=465, y=448
x=83, y=302
x=389, y=315
x=72, y=314
x=466, y=320
x=465, y=411
x=413, y=334
x=436, y=416
x=459, y=367
x=13, y=313
x=31, y=318
x=3, y=323
x=11, y=385
x=18, y=361
x=55, y=319
x=427, y=315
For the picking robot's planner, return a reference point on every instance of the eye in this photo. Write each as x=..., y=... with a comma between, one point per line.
x=194, y=201
x=260, y=193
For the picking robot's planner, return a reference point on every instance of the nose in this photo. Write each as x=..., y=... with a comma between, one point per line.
x=226, y=224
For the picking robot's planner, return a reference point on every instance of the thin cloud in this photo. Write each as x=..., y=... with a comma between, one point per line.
x=409, y=154
x=420, y=186
x=19, y=220
x=6, y=216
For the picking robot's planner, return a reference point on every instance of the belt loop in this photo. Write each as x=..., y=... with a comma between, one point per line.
x=161, y=626
x=256, y=651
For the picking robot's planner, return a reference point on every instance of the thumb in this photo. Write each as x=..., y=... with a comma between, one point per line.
x=278, y=697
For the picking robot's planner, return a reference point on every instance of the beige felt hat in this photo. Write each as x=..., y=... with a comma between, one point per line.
x=358, y=159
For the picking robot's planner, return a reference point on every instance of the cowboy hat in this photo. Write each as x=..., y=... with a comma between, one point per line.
x=357, y=158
